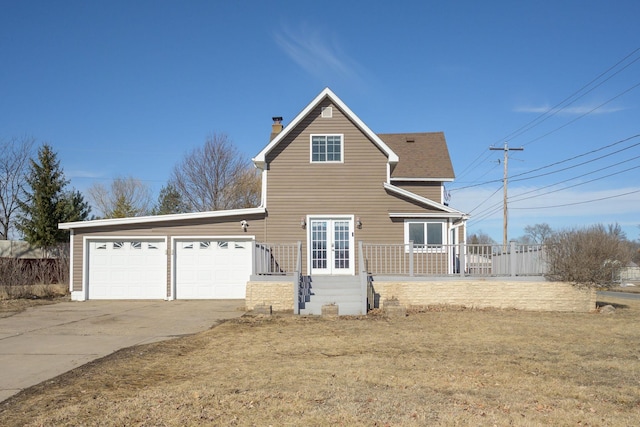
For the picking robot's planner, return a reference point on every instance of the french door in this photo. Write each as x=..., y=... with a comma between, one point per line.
x=331, y=245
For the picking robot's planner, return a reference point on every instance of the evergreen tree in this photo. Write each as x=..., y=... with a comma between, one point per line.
x=170, y=202
x=47, y=203
x=123, y=208
x=75, y=208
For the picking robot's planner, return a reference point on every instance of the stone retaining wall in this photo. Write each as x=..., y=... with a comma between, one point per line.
x=496, y=293
x=479, y=293
x=278, y=295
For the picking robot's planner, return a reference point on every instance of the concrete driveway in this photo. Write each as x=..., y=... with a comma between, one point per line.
x=45, y=341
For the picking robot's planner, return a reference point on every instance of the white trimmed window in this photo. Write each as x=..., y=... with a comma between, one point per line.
x=326, y=149
x=424, y=234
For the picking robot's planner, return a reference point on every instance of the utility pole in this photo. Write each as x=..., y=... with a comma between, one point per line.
x=505, y=211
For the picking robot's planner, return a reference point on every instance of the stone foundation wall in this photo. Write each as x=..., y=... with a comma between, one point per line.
x=278, y=295
x=521, y=295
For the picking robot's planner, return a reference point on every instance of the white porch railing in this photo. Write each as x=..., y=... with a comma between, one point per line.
x=276, y=259
x=463, y=260
x=415, y=260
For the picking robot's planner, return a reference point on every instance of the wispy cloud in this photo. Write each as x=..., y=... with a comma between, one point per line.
x=317, y=51
x=578, y=110
x=77, y=174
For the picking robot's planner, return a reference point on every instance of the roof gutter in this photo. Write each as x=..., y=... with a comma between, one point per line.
x=160, y=218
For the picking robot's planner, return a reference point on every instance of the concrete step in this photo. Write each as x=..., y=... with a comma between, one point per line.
x=335, y=285
x=344, y=291
x=337, y=291
x=329, y=299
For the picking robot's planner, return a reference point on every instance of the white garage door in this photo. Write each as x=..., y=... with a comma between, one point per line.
x=127, y=269
x=212, y=269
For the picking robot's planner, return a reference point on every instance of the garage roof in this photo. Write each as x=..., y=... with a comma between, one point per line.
x=160, y=218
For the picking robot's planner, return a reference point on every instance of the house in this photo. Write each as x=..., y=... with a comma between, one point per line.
x=328, y=182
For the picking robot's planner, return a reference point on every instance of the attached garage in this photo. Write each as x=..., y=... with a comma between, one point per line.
x=127, y=269
x=212, y=268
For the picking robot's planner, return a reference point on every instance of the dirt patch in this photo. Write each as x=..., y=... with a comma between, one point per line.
x=435, y=367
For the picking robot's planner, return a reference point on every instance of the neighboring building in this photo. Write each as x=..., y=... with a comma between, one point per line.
x=328, y=181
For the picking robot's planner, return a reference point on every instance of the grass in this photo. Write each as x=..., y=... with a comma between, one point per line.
x=33, y=295
x=444, y=366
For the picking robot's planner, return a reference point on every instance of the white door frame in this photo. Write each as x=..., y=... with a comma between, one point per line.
x=331, y=270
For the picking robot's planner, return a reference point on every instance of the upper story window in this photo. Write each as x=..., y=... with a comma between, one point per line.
x=326, y=148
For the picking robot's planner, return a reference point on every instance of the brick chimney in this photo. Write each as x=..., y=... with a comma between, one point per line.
x=276, y=127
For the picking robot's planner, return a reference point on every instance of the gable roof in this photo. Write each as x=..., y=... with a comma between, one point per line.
x=260, y=159
x=422, y=156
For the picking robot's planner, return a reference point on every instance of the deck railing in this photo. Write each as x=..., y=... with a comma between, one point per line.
x=276, y=258
x=284, y=259
x=460, y=259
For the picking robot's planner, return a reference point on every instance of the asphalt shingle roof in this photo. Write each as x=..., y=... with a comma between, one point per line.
x=421, y=155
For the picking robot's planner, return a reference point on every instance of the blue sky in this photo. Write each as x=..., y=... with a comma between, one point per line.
x=126, y=88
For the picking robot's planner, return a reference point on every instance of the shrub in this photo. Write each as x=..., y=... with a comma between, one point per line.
x=590, y=256
x=33, y=278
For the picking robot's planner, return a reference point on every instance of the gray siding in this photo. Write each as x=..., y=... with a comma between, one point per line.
x=297, y=188
x=200, y=227
x=430, y=190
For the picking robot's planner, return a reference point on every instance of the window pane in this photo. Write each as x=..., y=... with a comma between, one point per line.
x=333, y=148
x=416, y=233
x=318, y=149
x=434, y=234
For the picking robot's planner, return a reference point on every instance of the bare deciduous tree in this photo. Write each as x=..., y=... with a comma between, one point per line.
x=481, y=238
x=125, y=197
x=538, y=233
x=14, y=163
x=248, y=188
x=216, y=176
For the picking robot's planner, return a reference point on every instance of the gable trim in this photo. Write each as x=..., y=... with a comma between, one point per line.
x=159, y=218
x=422, y=200
x=260, y=159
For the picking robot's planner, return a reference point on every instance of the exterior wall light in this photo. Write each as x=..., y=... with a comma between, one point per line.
x=303, y=223
x=244, y=224
x=358, y=223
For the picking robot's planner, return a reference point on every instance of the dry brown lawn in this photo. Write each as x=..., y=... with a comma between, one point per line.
x=438, y=367
x=9, y=307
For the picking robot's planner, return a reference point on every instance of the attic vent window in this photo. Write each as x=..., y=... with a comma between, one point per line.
x=327, y=112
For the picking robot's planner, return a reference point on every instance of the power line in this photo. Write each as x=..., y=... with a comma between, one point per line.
x=555, y=109
x=579, y=164
x=513, y=178
x=516, y=198
x=582, y=115
x=578, y=156
x=485, y=200
x=529, y=125
x=583, y=202
x=483, y=155
x=487, y=212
